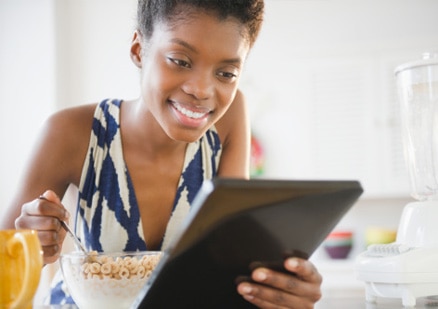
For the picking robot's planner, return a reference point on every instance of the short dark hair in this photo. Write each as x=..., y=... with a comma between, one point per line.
x=247, y=12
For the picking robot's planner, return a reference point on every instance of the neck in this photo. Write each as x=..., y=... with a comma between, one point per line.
x=140, y=130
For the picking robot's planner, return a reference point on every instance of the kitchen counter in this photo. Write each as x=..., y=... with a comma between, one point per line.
x=382, y=303
x=334, y=303
x=342, y=290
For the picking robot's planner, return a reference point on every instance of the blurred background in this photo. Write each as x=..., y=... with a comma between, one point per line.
x=319, y=82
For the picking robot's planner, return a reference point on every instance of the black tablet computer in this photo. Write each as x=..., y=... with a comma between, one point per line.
x=236, y=225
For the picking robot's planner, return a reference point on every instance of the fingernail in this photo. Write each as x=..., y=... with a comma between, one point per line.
x=42, y=196
x=260, y=275
x=246, y=289
x=293, y=263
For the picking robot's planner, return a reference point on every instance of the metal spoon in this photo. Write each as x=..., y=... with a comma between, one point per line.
x=75, y=238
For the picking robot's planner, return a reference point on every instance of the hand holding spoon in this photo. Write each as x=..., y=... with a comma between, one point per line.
x=78, y=243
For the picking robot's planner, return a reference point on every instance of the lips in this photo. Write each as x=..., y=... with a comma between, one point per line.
x=194, y=113
x=194, y=117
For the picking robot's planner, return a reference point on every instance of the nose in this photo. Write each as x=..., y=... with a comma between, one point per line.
x=199, y=86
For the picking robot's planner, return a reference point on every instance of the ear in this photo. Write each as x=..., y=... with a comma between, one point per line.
x=136, y=49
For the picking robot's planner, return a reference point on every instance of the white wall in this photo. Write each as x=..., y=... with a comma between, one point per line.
x=93, y=41
x=27, y=83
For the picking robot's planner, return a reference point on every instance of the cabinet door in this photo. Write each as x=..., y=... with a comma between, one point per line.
x=334, y=118
x=356, y=123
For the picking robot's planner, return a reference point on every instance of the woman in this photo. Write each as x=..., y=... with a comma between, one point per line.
x=146, y=158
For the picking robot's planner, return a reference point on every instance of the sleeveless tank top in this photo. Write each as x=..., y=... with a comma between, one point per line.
x=108, y=218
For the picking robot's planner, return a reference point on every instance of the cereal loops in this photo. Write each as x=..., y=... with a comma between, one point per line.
x=129, y=267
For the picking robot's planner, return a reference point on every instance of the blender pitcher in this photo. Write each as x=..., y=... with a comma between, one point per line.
x=417, y=83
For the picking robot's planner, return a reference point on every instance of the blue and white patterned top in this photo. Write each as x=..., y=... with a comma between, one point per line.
x=108, y=218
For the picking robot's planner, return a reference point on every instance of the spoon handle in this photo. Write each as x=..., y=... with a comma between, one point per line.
x=76, y=240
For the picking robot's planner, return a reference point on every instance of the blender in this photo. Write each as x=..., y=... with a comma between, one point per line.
x=408, y=268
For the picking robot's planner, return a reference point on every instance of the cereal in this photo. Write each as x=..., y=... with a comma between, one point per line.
x=115, y=267
x=141, y=271
x=106, y=280
x=106, y=269
x=94, y=268
x=103, y=266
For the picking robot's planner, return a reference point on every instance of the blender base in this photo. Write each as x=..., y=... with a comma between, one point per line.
x=408, y=276
x=407, y=292
x=406, y=269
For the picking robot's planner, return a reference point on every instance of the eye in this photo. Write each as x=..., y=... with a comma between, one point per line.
x=179, y=62
x=227, y=76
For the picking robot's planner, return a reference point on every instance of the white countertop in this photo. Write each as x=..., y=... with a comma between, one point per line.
x=333, y=303
x=360, y=303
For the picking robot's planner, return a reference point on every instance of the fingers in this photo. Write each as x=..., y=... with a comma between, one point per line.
x=303, y=269
x=265, y=297
x=51, y=243
x=51, y=196
x=283, y=290
x=48, y=205
x=44, y=215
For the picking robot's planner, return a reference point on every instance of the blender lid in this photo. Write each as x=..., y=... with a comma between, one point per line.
x=429, y=58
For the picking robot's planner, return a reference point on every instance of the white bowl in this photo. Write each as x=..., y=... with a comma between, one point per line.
x=107, y=280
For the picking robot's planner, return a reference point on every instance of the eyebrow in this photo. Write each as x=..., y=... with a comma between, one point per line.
x=184, y=43
x=193, y=49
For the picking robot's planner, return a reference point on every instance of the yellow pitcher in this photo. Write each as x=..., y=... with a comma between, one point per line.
x=21, y=263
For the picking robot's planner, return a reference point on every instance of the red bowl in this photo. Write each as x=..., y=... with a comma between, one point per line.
x=340, y=234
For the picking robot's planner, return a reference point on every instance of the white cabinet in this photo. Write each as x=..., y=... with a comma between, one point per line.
x=322, y=94
x=336, y=118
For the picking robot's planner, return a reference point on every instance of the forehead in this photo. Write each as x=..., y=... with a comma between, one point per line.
x=205, y=31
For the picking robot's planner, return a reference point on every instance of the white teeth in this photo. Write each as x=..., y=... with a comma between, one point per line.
x=187, y=112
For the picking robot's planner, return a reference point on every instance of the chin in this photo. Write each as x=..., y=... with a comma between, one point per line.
x=187, y=136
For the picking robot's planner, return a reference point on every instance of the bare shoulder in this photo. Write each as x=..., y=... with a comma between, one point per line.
x=235, y=133
x=78, y=118
x=234, y=120
x=64, y=138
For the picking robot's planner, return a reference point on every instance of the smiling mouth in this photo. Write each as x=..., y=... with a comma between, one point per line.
x=200, y=113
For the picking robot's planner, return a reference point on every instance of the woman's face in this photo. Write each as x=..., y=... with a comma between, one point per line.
x=190, y=72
